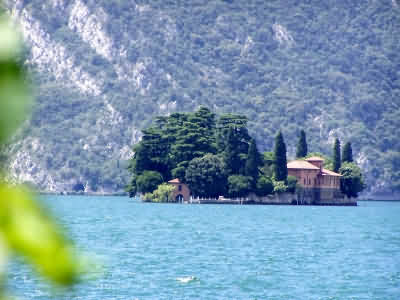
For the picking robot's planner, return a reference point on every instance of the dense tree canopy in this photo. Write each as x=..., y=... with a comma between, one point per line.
x=148, y=181
x=205, y=176
x=216, y=157
x=239, y=186
x=184, y=146
x=351, y=182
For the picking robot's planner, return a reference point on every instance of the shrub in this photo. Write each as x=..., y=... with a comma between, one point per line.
x=264, y=186
x=351, y=182
x=280, y=187
x=163, y=193
x=238, y=185
x=148, y=181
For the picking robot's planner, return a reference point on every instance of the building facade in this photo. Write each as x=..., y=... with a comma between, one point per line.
x=181, y=192
x=318, y=183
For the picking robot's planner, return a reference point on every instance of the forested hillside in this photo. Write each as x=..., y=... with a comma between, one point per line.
x=104, y=68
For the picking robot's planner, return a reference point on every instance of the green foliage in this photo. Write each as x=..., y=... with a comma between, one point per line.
x=182, y=146
x=347, y=154
x=131, y=188
x=392, y=161
x=280, y=164
x=163, y=193
x=351, y=182
x=252, y=163
x=233, y=139
x=206, y=176
x=267, y=169
x=231, y=153
x=194, y=138
x=148, y=181
x=236, y=126
x=264, y=186
x=301, y=150
x=180, y=171
x=238, y=186
x=291, y=184
x=336, y=156
x=148, y=197
x=280, y=187
x=15, y=97
x=26, y=228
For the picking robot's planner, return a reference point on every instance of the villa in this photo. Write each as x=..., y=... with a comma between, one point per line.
x=319, y=184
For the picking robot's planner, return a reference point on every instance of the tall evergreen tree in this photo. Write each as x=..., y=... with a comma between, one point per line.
x=239, y=125
x=231, y=154
x=252, y=163
x=347, y=153
x=301, y=150
x=280, y=165
x=336, y=155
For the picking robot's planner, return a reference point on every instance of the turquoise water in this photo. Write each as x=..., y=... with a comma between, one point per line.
x=172, y=251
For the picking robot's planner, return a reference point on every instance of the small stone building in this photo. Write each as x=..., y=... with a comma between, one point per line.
x=181, y=192
x=318, y=183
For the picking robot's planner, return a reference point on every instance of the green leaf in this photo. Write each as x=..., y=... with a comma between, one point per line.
x=30, y=232
x=15, y=99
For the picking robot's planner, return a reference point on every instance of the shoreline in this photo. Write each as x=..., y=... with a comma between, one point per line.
x=122, y=194
x=233, y=202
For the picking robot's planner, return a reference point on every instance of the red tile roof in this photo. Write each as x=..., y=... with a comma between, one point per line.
x=328, y=172
x=176, y=180
x=301, y=164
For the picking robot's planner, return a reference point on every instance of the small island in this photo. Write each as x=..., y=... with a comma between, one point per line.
x=201, y=159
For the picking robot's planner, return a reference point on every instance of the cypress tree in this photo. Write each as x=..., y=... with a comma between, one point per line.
x=280, y=165
x=231, y=154
x=347, y=154
x=252, y=163
x=301, y=150
x=336, y=155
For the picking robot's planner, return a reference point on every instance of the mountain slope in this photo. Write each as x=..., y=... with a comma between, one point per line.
x=105, y=68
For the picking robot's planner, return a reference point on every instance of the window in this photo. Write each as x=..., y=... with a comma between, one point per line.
x=179, y=188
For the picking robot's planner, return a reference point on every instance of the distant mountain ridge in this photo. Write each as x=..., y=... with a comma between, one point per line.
x=104, y=68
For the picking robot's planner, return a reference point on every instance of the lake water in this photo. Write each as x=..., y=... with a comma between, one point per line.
x=172, y=251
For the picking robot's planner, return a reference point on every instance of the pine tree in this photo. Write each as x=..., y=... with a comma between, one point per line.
x=347, y=154
x=280, y=166
x=336, y=155
x=252, y=163
x=301, y=150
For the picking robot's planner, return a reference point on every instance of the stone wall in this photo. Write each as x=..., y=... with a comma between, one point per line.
x=306, y=196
